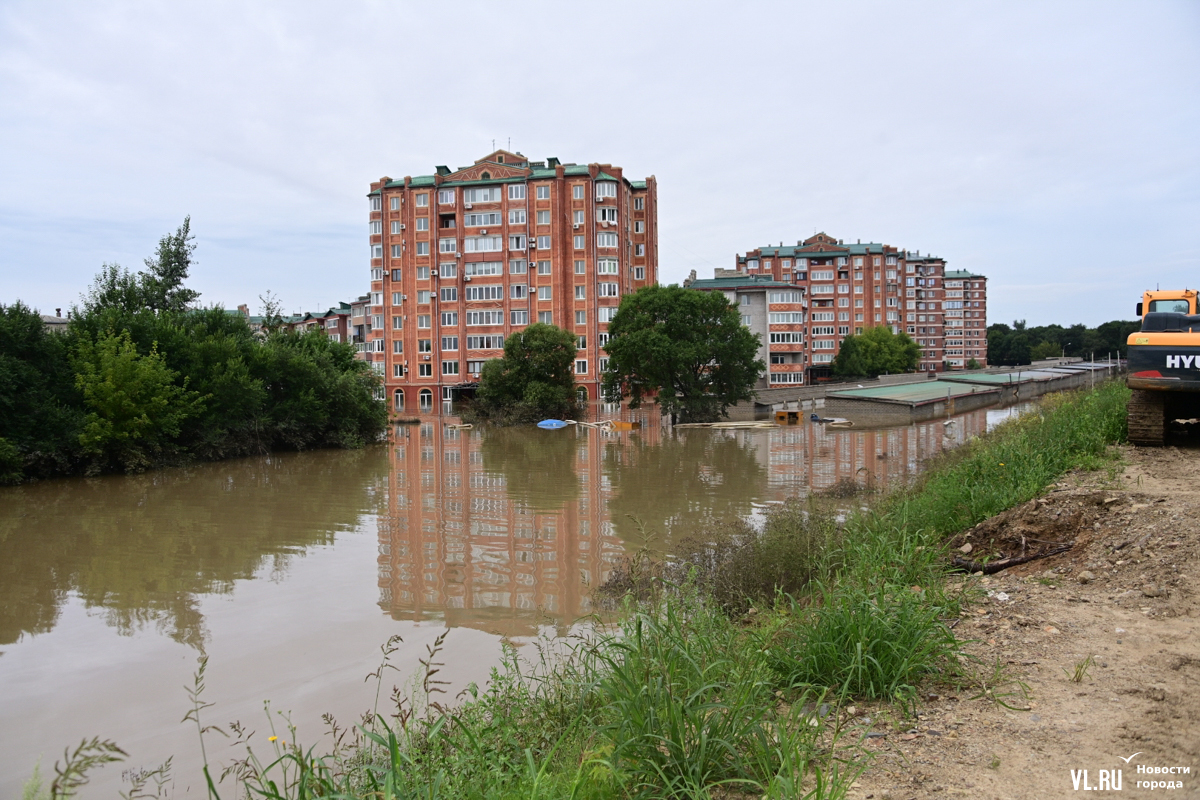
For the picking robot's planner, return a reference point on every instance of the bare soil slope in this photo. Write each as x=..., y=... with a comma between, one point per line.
x=1125, y=594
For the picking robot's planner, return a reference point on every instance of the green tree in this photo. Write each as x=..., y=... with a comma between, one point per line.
x=535, y=379
x=162, y=283
x=135, y=409
x=874, y=352
x=1043, y=350
x=685, y=348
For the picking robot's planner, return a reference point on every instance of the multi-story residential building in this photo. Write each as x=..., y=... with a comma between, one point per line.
x=845, y=289
x=462, y=258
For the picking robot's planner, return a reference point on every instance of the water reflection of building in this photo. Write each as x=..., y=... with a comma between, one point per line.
x=507, y=529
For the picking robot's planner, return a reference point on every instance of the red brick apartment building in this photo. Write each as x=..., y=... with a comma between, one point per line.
x=462, y=258
x=805, y=300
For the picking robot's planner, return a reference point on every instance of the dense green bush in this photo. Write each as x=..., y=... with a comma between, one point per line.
x=533, y=381
x=140, y=380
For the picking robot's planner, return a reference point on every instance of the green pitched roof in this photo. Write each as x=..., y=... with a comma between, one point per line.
x=745, y=281
x=604, y=176
x=962, y=273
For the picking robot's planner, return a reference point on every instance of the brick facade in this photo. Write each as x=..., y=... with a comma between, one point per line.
x=847, y=288
x=461, y=259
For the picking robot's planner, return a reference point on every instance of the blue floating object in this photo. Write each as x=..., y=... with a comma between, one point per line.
x=815, y=417
x=552, y=424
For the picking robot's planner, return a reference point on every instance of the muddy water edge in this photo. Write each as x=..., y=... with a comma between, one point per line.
x=290, y=571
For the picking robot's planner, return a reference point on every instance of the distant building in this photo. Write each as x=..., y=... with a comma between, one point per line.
x=57, y=323
x=841, y=289
x=460, y=259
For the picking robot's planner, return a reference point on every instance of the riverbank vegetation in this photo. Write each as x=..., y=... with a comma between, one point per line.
x=1019, y=344
x=733, y=669
x=143, y=378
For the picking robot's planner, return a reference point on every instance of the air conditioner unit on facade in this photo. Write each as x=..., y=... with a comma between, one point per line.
x=483, y=232
x=433, y=272
x=467, y=278
x=401, y=226
x=425, y=357
x=577, y=226
x=403, y=297
x=466, y=205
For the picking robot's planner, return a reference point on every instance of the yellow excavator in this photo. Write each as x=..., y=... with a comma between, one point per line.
x=1164, y=364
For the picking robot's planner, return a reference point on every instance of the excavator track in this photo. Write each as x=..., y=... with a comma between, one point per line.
x=1147, y=417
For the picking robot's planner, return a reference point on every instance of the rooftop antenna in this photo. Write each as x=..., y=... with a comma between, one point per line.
x=493, y=144
x=510, y=143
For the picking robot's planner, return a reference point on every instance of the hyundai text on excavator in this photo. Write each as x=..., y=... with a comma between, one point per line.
x=1164, y=364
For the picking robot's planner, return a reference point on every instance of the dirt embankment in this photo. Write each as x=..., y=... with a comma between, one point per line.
x=1119, y=610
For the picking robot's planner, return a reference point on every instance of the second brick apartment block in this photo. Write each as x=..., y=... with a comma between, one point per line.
x=462, y=258
x=804, y=300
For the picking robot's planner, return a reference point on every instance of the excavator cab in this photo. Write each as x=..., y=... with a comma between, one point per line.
x=1164, y=364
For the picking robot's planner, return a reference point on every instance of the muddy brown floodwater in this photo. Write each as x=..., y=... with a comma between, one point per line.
x=290, y=571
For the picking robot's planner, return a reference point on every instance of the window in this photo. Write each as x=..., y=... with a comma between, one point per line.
x=396, y=228
x=785, y=317
x=395, y=203
x=449, y=342
x=423, y=296
x=485, y=292
x=744, y=299
x=449, y=270
x=843, y=302
x=577, y=193
x=543, y=218
x=843, y=288
x=606, y=240
x=450, y=319
x=546, y=317
x=422, y=320
x=474, y=367
x=822, y=275
x=639, y=273
x=397, y=251
x=446, y=197
x=580, y=267
x=519, y=317
x=397, y=323
x=823, y=288
x=606, y=266
x=581, y=367
x=606, y=214
x=543, y=293
x=518, y=291
x=482, y=194
x=746, y=320
x=787, y=377
x=577, y=217
x=602, y=364
x=543, y=267
x=639, y=227
x=787, y=337
x=485, y=342
x=639, y=203
x=518, y=266
x=483, y=268
x=424, y=345
x=607, y=290
x=607, y=314
x=376, y=226
x=449, y=367
x=376, y=298
x=516, y=191
x=606, y=189
x=377, y=250
x=422, y=200
x=581, y=293
x=396, y=275
x=516, y=216
x=397, y=370
x=543, y=193
x=485, y=317
x=449, y=294
x=578, y=242
x=484, y=244
x=422, y=248
x=422, y=223
x=580, y=317
x=395, y=298
x=426, y=371
x=377, y=324
x=785, y=297
x=604, y=337
x=481, y=219
x=543, y=243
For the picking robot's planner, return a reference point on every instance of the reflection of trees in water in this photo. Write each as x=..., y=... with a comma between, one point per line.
x=674, y=485
x=144, y=548
x=538, y=466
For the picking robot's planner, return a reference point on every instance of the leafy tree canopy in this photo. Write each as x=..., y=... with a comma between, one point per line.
x=1020, y=344
x=686, y=348
x=534, y=380
x=876, y=351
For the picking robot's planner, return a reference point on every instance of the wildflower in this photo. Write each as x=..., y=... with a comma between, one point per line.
x=272, y=738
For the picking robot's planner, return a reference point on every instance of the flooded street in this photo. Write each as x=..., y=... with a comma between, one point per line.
x=289, y=572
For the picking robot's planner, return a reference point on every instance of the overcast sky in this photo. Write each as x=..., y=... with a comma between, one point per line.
x=1053, y=146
